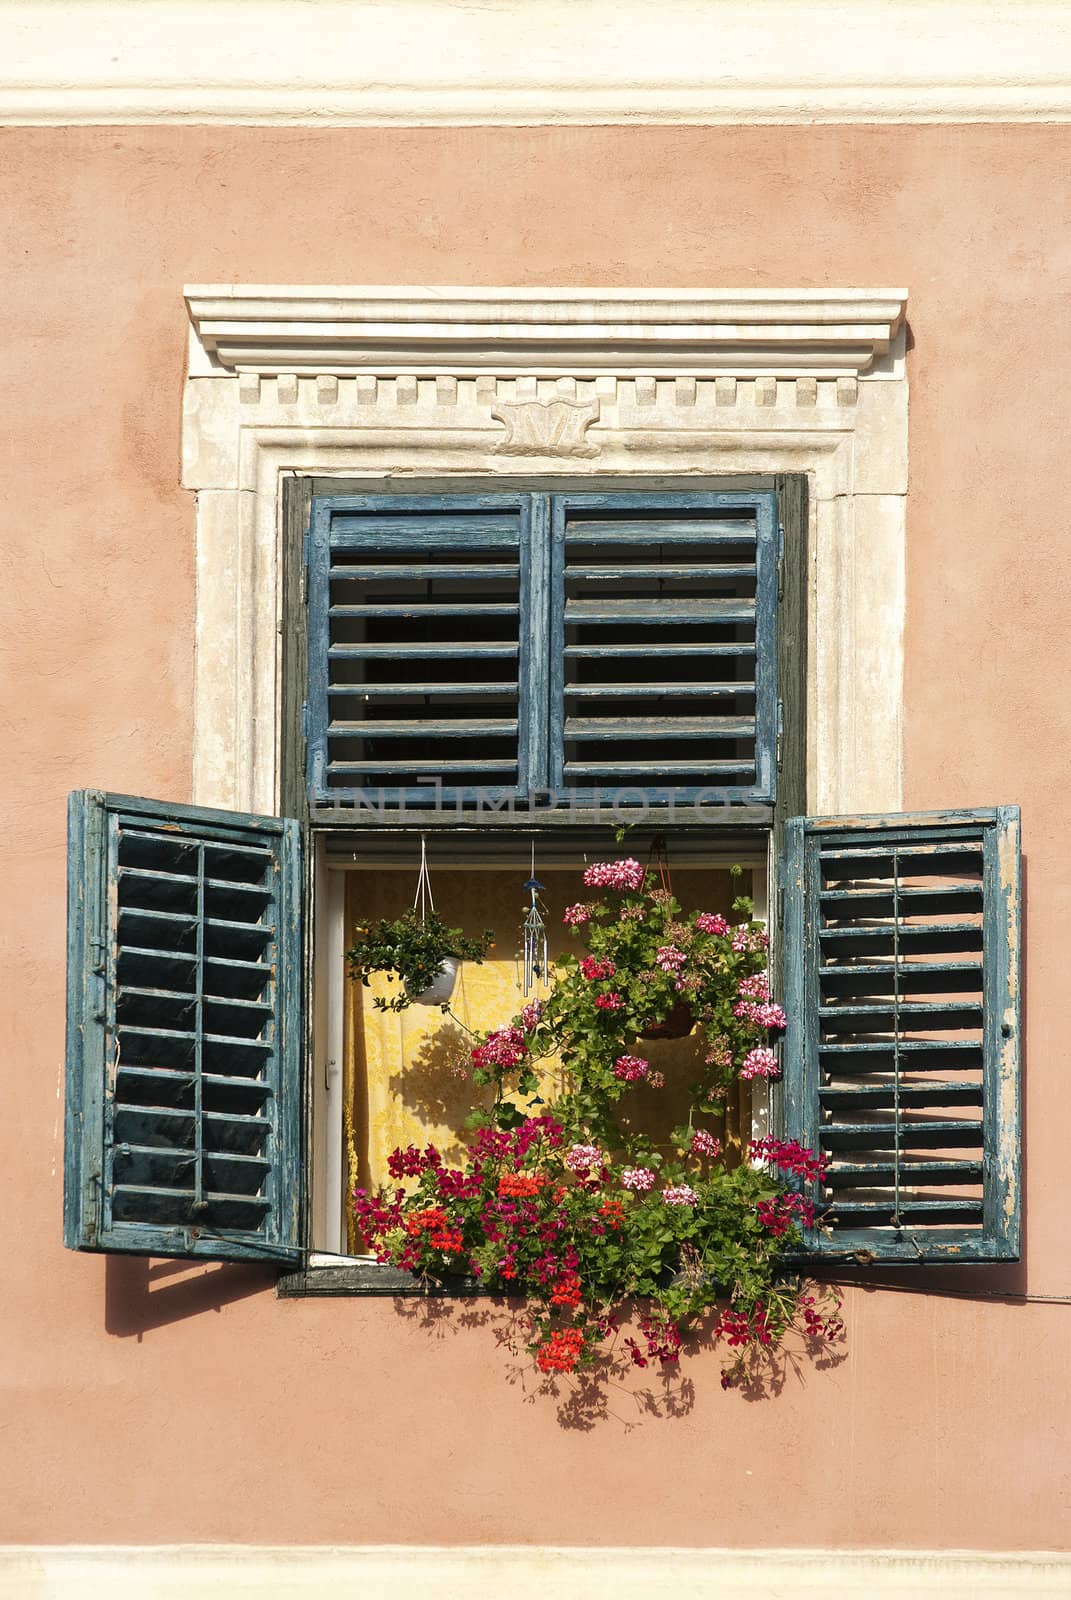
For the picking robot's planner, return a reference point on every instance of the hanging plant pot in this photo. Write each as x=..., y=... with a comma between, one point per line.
x=439, y=989
x=676, y=1024
x=418, y=942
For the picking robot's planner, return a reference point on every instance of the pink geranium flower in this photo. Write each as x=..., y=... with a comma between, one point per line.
x=641, y=1179
x=760, y=1063
x=627, y=874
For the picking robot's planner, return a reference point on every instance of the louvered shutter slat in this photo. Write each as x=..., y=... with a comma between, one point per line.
x=423, y=572
x=949, y=1055
x=184, y=1032
x=632, y=691
x=635, y=529
x=849, y=1176
x=887, y=997
x=732, y=728
x=363, y=523
x=881, y=1095
x=643, y=613
x=421, y=608
x=638, y=647
x=439, y=766
x=666, y=571
x=445, y=651
x=663, y=668
x=417, y=727
x=629, y=767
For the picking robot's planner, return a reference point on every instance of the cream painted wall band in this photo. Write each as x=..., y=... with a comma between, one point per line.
x=522, y=62
x=302, y=1572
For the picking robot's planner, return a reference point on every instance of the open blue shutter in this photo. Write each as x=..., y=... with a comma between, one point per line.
x=427, y=649
x=184, y=1031
x=902, y=1053
x=664, y=646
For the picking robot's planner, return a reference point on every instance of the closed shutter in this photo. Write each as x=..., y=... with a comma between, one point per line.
x=425, y=647
x=902, y=1053
x=664, y=656
x=184, y=1031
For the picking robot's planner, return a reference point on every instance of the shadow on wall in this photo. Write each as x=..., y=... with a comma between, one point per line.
x=140, y=1294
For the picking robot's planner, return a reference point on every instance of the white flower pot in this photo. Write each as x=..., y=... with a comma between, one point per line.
x=440, y=989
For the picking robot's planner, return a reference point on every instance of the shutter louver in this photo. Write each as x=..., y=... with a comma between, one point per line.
x=184, y=1031
x=420, y=664
x=901, y=1059
x=664, y=658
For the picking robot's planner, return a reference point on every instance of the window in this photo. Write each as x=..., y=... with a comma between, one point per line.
x=539, y=660
x=477, y=650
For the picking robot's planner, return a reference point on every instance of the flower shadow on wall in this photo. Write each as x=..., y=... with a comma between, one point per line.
x=630, y=1252
x=435, y=1086
x=608, y=1391
x=613, y=1390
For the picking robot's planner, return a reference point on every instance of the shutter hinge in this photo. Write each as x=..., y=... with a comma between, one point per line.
x=304, y=719
x=780, y=561
x=305, y=568
x=780, y=731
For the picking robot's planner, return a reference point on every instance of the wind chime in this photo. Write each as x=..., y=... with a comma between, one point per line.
x=535, y=936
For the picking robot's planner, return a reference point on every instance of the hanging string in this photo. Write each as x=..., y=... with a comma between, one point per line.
x=423, y=900
x=535, y=936
x=658, y=856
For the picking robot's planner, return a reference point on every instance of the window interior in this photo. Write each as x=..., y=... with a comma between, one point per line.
x=383, y=1079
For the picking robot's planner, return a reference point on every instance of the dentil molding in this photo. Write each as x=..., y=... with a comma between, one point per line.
x=579, y=333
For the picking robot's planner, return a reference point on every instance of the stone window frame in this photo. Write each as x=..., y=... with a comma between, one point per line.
x=388, y=387
x=384, y=385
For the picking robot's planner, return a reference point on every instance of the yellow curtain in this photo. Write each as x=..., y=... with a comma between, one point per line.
x=409, y=1075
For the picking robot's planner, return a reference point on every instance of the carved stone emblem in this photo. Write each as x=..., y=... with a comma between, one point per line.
x=547, y=428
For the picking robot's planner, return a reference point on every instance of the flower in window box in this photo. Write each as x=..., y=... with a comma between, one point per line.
x=575, y=1208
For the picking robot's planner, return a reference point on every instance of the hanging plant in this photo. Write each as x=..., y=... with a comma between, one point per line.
x=418, y=948
x=414, y=951
x=581, y=1212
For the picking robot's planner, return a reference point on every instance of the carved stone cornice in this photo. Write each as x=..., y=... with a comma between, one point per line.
x=390, y=332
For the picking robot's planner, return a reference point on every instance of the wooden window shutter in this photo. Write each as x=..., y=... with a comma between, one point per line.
x=663, y=663
x=427, y=648
x=184, y=1031
x=901, y=941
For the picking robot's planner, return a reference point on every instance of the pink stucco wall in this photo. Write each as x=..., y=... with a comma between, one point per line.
x=164, y=1404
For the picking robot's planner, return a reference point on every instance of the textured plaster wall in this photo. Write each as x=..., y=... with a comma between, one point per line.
x=147, y=1404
